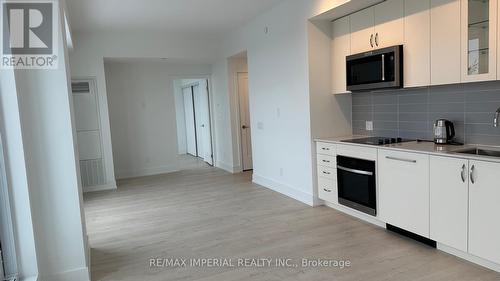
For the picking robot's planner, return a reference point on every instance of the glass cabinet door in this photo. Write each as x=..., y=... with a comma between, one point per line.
x=479, y=19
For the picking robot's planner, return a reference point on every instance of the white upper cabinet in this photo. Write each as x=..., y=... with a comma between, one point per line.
x=377, y=27
x=445, y=42
x=362, y=31
x=484, y=207
x=417, y=37
x=479, y=31
x=449, y=189
x=341, y=48
x=389, y=23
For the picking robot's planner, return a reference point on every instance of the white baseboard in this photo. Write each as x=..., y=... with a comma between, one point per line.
x=30, y=278
x=228, y=168
x=121, y=175
x=356, y=214
x=468, y=257
x=284, y=189
x=80, y=274
x=109, y=186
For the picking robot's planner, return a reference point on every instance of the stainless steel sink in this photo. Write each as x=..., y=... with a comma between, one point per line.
x=480, y=151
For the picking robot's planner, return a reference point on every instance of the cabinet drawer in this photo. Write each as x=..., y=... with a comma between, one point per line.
x=356, y=151
x=327, y=190
x=327, y=172
x=327, y=161
x=325, y=148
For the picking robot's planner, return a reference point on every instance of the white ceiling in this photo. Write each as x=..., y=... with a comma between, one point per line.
x=210, y=17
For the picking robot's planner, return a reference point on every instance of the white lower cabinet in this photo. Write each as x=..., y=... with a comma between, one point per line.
x=484, y=210
x=327, y=173
x=327, y=190
x=403, y=180
x=449, y=198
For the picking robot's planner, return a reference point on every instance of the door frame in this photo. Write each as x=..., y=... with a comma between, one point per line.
x=190, y=86
x=237, y=106
x=211, y=106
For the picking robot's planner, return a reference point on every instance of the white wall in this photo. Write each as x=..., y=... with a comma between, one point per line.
x=180, y=118
x=142, y=115
x=90, y=49
x=330, y=114
x=284, y=106
x=43, y=172
x=223, y=135
x=16, y=173
x=280, y=98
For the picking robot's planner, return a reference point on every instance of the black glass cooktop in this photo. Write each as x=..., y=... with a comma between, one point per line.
x=377, y=140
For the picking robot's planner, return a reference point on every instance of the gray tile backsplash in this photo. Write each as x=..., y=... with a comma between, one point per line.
x=410, y=113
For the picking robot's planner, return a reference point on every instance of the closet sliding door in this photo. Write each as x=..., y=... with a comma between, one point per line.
x=189, y=112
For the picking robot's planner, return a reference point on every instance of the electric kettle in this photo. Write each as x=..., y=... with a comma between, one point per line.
x=444, y=131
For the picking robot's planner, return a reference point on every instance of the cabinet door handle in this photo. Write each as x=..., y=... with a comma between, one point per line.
x=376, y=39
x=472, y=169
x=326, y=173
x=463, y=173
x=326, y=161
x=325, y=148
x=371, y=40
x=401, y=159
x=327, y=190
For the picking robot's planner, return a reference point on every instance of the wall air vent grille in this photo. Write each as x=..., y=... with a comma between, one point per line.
x=80, y=87
x=92, y=172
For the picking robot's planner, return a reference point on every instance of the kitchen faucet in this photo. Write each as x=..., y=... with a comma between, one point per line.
x=497, y=115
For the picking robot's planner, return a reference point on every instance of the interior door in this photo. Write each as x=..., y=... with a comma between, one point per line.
x=202, y=112
x=190, y=121
x=198, y=120
x=245, y=128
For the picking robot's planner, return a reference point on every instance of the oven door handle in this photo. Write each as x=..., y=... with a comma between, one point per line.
x=354, y=171
x=383, y=66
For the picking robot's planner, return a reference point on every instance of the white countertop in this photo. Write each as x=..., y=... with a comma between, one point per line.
x=424, y=147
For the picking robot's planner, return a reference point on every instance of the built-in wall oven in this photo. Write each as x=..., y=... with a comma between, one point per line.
x=357, y=184
x=377, y=69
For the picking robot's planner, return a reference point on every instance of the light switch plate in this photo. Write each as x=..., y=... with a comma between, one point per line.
x=369, y=125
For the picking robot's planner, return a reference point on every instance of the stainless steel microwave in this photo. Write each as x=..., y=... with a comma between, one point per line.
x=378, y=69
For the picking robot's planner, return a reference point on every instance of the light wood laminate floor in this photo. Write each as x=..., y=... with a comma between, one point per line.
x=208, y=213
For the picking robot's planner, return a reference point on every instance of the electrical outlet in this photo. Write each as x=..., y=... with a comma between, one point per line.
x=260, y=125
x=281, y=172
x=369, y=125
